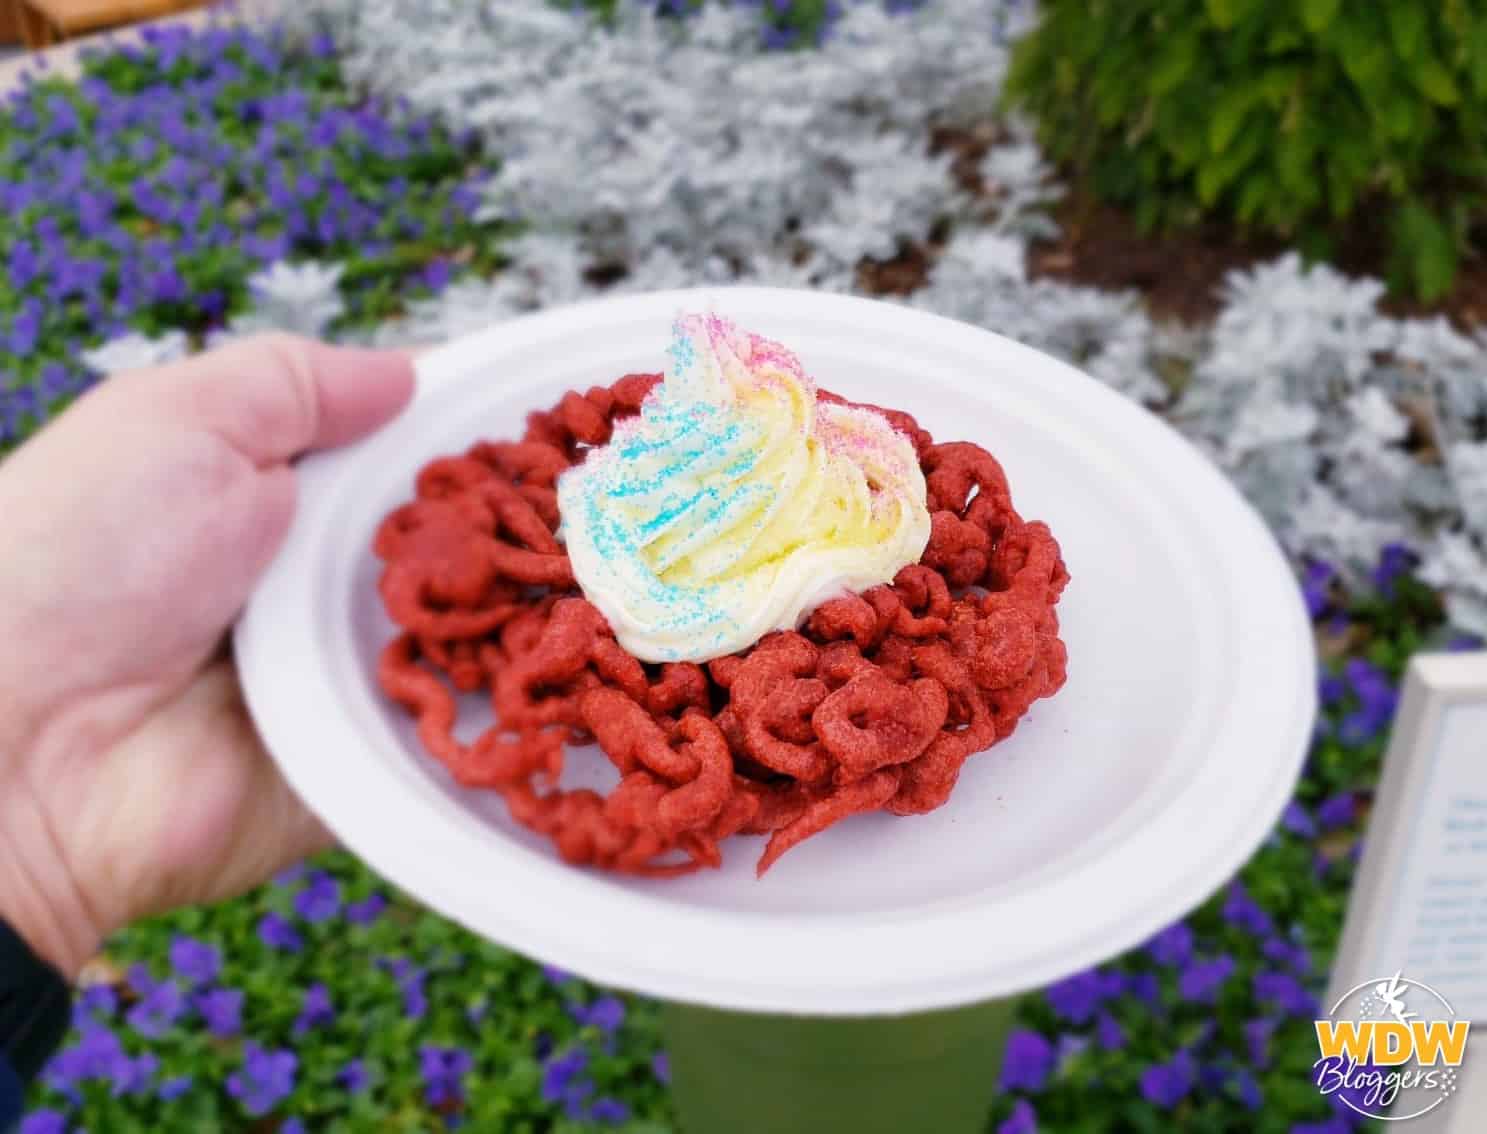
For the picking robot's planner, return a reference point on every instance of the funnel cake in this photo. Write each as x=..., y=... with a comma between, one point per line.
x=855, y=700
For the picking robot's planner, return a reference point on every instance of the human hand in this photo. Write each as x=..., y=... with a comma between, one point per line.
x=135, y=526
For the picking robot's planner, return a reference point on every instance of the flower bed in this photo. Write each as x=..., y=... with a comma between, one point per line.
x=327, y=1001
x=147, y=196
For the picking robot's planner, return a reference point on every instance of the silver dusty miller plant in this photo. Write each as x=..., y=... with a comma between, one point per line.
x=681, y=153
x=1346, y=428
x=687, y=137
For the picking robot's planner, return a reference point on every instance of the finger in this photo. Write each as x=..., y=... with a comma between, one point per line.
x=274, y=397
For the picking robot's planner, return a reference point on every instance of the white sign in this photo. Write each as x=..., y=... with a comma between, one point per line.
x=1419, y=902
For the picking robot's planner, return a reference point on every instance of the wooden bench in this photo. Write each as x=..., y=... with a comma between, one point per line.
x=44, y=23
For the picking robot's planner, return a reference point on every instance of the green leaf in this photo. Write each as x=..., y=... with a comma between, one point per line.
x=1437, y=83
x=1407, y=26
x=1228, y=116
x=1210, y=183
x=1398, y=116
x=1220, y=171
x=1293, y=160
x=1278, y=83
x=1173, y=65
x=1342, y=188
x=1318, y=14
x=1253, y=194
x=1223, y=12
x=1424, y=250
x=1477, y=53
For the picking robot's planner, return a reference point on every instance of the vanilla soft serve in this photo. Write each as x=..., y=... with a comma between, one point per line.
x=735, y=503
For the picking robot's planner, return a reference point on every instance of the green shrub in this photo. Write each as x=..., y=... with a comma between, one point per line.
x=1292, y=117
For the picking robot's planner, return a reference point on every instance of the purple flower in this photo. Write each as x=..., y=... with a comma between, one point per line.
x=1292, y=954
x=132, y=1076
x=63, y=115
x=1331, y=689
x=1250, y=1095
x=1167, y=1084
x=195, y=961
x=278, y=932
x=44, y=1122
x=222, y=1009
x=1076, y=998
x=1028, y=1061
x=1257, y=1035
x=212, y=304
x=1463, y=643
x=559, y=1071
x=1243, y=912
x=443, y=1068
x=576, y=1099
x=1146, y=988
x=97, y=1054
x=25, y=329
x=326, y=230
x=1213, y=1079
x=172, y=1089
x=160, y=1007
x=95, y=211
x=607, y=1014
x=1109, y=1033
x=415, y=1003
x=1286, y=993
x=353, y=1077
x=777, y=38
x=315, y=1009
x=1316, y=586
x=409, y=978
x=1173, y=946
x=609, y=1110
x=25, y=265
x=556, y=975
x=661, y=1067
x=167, y=286
x=367, y=910
x=96, y=1002
x=76, y=277
x=1298, y=820
x=320, y=900
x=1201, y=981
x=1377, y=700
x=1337, y=811
x=1023, y=1120
x=1395, y=560
x=437, y=275
x=292, y=1126
x=266, y=1079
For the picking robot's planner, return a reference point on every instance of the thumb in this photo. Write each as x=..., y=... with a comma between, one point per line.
x=273, y=397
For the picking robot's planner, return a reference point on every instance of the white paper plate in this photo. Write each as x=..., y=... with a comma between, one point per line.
x=1115, y=808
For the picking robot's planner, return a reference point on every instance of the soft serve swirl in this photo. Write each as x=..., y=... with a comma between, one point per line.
x=735, y=503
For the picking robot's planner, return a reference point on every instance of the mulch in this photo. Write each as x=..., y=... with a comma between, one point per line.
x=1179, y=274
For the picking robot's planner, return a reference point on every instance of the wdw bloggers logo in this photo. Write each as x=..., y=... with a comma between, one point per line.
x=1385, y=1038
